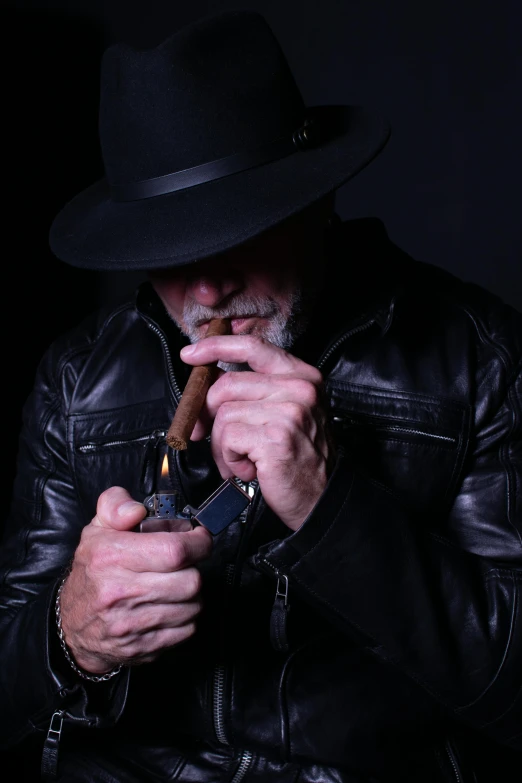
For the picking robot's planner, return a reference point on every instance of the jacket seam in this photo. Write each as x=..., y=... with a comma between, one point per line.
x=361, y=390
x=382, y=655
x=49, y=467
x=87, y=346
x=495, y=677
x=503, y=449
x=504, y=453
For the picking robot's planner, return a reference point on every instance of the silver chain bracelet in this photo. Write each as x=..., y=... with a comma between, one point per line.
x=91, y=677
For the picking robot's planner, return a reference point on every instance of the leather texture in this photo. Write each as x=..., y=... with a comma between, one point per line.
x=398, y=657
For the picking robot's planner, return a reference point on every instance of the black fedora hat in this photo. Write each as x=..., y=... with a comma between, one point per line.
x=206, y=143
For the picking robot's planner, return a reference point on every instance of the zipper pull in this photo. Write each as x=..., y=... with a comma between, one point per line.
x=149, y=468
x=49, y=766
x=279, y=615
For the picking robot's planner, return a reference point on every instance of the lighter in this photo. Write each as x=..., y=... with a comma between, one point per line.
x=215, y=513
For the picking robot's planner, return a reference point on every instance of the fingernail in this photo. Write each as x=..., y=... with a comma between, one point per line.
x=127, y=508
x=187, y=350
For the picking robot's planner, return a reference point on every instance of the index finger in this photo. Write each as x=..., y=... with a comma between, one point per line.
x=259, y=354
x=154, y=552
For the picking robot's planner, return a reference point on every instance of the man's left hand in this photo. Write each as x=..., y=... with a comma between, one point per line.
x=268, y=424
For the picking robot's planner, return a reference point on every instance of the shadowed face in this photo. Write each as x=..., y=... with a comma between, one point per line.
x=265, y=286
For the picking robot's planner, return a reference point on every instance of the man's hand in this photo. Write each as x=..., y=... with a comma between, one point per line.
x=268, y=423
x=130, y=595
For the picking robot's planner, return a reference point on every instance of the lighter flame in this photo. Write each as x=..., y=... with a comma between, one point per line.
x=165, y=467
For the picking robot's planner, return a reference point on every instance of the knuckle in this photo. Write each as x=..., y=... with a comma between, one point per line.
x=197, y=608
x=103, y=598
x=105, y=502
x=87, y=543
x=175, y=552
x=316, y=377
x=295, y=413
x=187, y=630
x=193, y=582
x=307, y=393
x=278, y=433
x=224, y=413
x=109, y=594
x=102, y=557
x=255, y=342
x=226, y=382
x=109, y=500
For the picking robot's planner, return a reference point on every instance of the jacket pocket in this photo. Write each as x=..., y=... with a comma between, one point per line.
x=116, y=448
x=342, y=707
x=414, y=445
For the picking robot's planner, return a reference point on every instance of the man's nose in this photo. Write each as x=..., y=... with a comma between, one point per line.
x=212, y=290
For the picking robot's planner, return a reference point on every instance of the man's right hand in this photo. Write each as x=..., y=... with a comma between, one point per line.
x=129, y=595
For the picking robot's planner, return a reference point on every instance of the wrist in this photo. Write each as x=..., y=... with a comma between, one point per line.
x=81, y=667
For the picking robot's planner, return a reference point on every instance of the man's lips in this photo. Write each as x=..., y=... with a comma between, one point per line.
x=237, y=325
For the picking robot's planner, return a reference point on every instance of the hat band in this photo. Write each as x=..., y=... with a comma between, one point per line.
x=216, y=169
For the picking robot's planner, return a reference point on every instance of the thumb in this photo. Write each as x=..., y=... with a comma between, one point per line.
x=117, y=510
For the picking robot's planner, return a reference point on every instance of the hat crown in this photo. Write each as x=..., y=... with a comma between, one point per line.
x=213, y=89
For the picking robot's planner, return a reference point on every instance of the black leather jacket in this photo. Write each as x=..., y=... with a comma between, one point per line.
x=398, y=656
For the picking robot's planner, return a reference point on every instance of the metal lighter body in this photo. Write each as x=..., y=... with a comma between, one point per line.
x=217, y=512
x=164, y=514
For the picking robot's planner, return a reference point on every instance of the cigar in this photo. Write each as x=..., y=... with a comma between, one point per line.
x=200, y=379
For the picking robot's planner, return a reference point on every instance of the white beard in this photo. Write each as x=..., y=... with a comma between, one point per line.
x=281, y=330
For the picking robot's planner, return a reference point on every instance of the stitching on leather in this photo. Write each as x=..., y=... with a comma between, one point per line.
x=376, y=646
x=361, y=390
x=483, y=333
x=513, y=701
x=494, y=573
x=504, y=452
x=418, y=445
x=500, y=666
x=110, y=413
x=50, y=468
x=503, y=714
x=68, y=355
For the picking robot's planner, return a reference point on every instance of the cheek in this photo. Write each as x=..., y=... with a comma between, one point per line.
x=284, y=294
x=277, y=283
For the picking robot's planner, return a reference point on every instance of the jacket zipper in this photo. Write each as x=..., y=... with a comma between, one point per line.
x=170, y=366
x=244, y=764
x=218, y=684
x=49, y=765
x=409, y=431
x=219, y=672
x=399, y=430
x=453, y=762
x=280, y=608
x=218, y=679
x=97, y=446
x=51, y=746
x=333, y=347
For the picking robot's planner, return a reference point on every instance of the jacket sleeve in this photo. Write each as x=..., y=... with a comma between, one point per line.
x=446, y=612
x=41, y=534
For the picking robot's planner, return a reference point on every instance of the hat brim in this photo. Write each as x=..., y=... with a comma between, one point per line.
x=95, y=232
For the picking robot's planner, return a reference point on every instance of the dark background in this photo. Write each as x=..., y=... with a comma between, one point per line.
x=448, y=185
x=448, y=75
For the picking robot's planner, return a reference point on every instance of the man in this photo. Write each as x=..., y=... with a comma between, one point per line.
x=359, y=619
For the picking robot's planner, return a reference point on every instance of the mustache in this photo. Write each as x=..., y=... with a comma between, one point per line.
x=243, y=306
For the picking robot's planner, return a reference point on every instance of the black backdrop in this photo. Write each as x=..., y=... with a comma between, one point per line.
x=447, y=74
